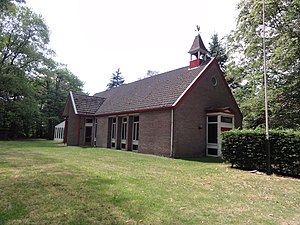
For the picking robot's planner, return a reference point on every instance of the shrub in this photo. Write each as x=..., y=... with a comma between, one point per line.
x=246, y=149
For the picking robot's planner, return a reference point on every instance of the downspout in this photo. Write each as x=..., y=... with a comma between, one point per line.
x=172, y=133
x=94, y=140
x=66, y=130
x=78, y=133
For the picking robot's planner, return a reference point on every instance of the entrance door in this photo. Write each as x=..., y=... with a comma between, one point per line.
x=212, y=135
x=216, y=124
x=88, y=136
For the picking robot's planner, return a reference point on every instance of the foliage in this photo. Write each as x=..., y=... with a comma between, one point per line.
x=151, y=73
x=73, y=185
x=217, y=50
x=116, y=80
x=246, y=149
x=33, y=87
x=9, y=5
x=23, y=47
x=245, y=64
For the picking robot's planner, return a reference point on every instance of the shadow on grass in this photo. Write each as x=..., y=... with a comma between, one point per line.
x=205, y=159
x=53, y=191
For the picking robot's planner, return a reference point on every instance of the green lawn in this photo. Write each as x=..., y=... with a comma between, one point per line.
x=42, y=182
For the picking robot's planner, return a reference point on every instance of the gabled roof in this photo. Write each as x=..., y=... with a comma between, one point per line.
x=198, y=45
x=156, y=92
x=84, y=104
x=87, y=104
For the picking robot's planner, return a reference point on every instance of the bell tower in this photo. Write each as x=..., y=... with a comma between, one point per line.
x=198, y=51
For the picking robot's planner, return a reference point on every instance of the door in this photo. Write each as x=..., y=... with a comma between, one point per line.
x=216, y=124
x=212, y=135
x=88, y=136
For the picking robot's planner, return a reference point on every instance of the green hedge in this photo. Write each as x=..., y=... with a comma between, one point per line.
x=246, y=149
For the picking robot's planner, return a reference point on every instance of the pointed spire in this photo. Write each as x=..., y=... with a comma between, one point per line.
x=198, y=46
x=198, y=51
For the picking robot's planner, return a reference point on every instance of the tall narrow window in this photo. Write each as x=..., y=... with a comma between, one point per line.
x=113, y=132
x=135, y=136
x=124, y=133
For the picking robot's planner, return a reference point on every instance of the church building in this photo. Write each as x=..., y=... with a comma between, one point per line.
x=180, y=113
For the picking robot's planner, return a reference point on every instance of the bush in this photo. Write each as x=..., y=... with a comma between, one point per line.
x=246, y=149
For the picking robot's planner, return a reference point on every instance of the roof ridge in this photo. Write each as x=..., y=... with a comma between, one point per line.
x=151, y=77
x=85, y=95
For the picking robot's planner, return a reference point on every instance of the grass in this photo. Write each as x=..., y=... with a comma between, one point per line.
x=42, y=182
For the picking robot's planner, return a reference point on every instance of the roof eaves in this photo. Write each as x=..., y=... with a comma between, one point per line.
x=134, y=111
x=192, y=83
x=73, y=102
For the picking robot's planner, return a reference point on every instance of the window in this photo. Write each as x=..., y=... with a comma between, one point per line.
x=88, y=120
x=212, y=133
x=212, y=119
x=135, y=133
x=124, y=128
x=216, y=124
x=113, y=128
x=212, y=151
x=88, y=135
x=214, y=81
x=225, y=119
x=113, y=132
x=124, y=133
x=136, y=128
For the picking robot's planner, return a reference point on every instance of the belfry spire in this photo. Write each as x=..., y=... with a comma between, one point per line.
x=198, y=50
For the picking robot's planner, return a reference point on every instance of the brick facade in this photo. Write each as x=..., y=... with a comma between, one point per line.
x=102, y=132
x=72, y=129
x=185, y=137
x=155, y=133
x=190, y=116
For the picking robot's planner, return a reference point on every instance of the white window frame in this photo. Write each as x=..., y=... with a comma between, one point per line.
x=113, y=133
x=135, y=132
x=88, y=124
x=220, y=125
x=124, y=129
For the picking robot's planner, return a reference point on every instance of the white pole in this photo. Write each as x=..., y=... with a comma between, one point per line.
x=266, y=97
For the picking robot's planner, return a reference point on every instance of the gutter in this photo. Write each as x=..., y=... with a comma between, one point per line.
x=172, y=134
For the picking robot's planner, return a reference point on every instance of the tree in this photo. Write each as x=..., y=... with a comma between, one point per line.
x=116, y=80
x=33, y=87
x=282, y=19
x=151, y=73
x=54, y=86
x=9, y=5
x=23, y=48
x=217, y=50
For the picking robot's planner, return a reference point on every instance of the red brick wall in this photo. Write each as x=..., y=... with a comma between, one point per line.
x=155, y=133
x=102, y=129
x=72, y=126
x=189, y=140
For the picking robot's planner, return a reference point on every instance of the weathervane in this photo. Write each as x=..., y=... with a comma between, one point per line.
x=197, y=29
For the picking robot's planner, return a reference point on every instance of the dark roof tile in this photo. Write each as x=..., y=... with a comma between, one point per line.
x=87, y=104
x=198, y=45
x=155, y=92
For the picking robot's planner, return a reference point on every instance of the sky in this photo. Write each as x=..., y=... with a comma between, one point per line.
x=95, y=37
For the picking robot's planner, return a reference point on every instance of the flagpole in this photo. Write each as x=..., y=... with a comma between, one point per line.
x=267, y=144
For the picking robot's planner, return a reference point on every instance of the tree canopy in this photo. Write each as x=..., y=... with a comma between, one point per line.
x=33, y=87
x=245, y=66
x=217, y=50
